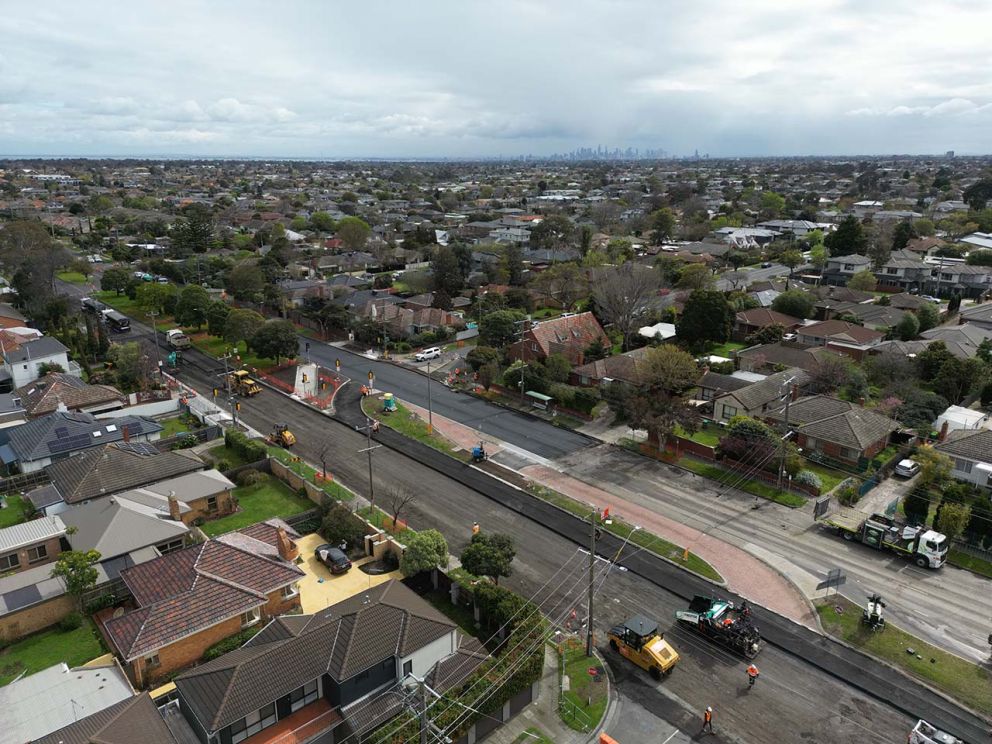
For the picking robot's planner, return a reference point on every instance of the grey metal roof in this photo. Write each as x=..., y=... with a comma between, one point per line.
x=28, y=533
x=770, y=389
x=53, y=698
x=115, y=526
x=345, y=639
x=64, y=433
x=838, y=421
x=193, y=486
x=40, y=348
x=971, y=445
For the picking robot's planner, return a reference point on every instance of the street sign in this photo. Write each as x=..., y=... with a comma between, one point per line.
x=821, y=507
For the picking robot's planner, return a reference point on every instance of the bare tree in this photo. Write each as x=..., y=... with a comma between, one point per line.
x=399, y=499
x=564, y=284
x=622, y=295
x=323, y=454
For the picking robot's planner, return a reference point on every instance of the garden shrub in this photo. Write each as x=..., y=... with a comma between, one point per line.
x=249, y=477
x=70, y=622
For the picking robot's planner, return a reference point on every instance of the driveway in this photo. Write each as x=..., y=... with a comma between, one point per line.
x=320, y=589
x=885, y=497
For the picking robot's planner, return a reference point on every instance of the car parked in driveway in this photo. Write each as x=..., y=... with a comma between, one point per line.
x=432, y=353
x=334, y=558
x=907, y=468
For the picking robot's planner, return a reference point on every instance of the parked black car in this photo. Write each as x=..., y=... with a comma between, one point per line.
x=334, y=558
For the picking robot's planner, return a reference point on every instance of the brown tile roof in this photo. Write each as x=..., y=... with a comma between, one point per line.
x=568, y=331
x=618, y=367
x=44, y=395
x=347, y=638
x=762, y=317
x=842, y=332
x=192, y=589
x=786, y=355
x=115, y=468
x=133, y=720
x=838, y=421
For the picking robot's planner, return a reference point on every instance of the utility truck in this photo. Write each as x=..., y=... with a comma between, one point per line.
x=925, y=547
x=638, y=639
x=924, y=733
x=722, y=622
x=177, y=339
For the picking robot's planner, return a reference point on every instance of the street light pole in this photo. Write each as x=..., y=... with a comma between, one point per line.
x=430, y=406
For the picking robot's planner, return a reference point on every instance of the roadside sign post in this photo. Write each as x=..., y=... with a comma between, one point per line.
x=835, y=578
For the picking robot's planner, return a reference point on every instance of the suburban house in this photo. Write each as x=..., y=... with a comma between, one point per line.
x=110, y=469
x=751, y=321
x=22, y=362
x=314, y=674
x=875, y=317
x=190, y=599
x=12, y=412
x=969, y=281
x=39, y=707
x=57, y=436
x=771, y=358
x=118, y=526
x=836, y=428
x=840, y=269
x=971, y=452
x=404, y=321
x=32, y=543
x=58, y=391
x=845, y=338
x=979, y=315
x=959, y=418
x=616, y=368
x=759, y=398
x=134, y=719
x=961, y=340
x=569, y=335
x=713, y=384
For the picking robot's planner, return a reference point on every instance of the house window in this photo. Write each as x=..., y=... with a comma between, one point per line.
x=252, y=723
x=849, y=454
x=891, y=270
x=152, y=661
x=212, y=504
x=729, y=411
x=946, y=277
x=303, y=696
x=290, y=591
x=7, y=562
x=848, y=267
x=250, y=618
x=170, y=546
x=407, y=668
x=37, y=553
x=963, y=466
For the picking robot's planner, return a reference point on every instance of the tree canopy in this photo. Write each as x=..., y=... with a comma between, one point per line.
x=489, y=554
x=425, y=550
x=706, y=318
x=794, y=303
x=275, y=339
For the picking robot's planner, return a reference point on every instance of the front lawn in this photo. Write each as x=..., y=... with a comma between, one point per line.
x=960, y=679
x=829, y=477
x=754, y=487
x=73, y=277
x=15, y=511
x=708, y=436
x=379, y=519
x=584, y=703
x=725, y=349
x=218, y=347
x=970, y=562
x=270, y=498
x=173, y=426
x=45, y=649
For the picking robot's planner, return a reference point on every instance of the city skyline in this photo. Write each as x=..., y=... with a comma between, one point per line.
x=444, y=81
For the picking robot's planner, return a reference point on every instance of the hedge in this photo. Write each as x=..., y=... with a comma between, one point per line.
x=250, y=450
x=229, y=644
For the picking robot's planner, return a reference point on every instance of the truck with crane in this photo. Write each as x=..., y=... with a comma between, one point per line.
x=925, y=547
x=722, y=622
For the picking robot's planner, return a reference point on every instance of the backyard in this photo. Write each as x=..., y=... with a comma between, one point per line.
x=42, y=650
x=264, y=500
x=14, y=510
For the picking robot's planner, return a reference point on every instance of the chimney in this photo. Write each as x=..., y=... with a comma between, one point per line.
x=795, y=393
x=861, y=402
x=174, y=513
x=126, y=433
x=943, y=432
x=287, y=549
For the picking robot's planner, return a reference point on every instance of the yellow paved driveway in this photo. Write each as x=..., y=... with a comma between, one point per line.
x=320, y=589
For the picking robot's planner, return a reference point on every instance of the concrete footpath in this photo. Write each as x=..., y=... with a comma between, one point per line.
x=745, y=575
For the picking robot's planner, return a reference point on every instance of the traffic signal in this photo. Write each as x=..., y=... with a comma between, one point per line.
x=237, y=406
x=216, y=392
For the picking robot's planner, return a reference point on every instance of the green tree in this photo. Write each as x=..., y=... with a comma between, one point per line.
x=818, y=256
x=155, y=297
x=907, y=328
x=957, y=377
x=706, y=318
x=848, y=238
x=193, y=232
x=246, y=282
x=77, y=570
x=952, y=519
x=241, y=325
x=446, y=274
x=499, y=329
x=322, y=222
x=339, y=525
x=425, y=550
x=353, y=232
x=480, y=355
x=931, y=359
x=489, y=555
x=863, y=281
x=924, y=227
x=131, y=366
x=772, y=204
x=274, y=340
x=795, y=303
x=115, y=280
x=558, y=368
x=928, y=315
x=32, y=260
x=696, y=276
x=513, y=264
x=192, y=306
x=217, y=314
x=667, y=369
x=554, y=233
x=791, y=258
x=935, y=466
x=978, y=194
x=979, y=258
x=903, y=233
x=662, y=224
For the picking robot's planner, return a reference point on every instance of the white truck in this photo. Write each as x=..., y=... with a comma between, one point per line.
x=925, y=547
x=177, y=339
x=924, y=733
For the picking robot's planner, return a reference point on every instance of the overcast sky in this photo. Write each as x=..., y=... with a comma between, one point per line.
x=322, y=78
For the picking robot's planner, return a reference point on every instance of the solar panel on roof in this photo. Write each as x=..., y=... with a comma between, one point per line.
x=61, y=431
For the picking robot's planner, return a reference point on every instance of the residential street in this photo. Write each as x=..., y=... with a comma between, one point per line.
x=528, y=433
x=949, y=607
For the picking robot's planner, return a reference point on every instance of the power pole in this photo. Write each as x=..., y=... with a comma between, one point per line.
x=788, y=400
x=158, y=354
x=430, y=406
x=227, y=372
x=424, y=721
x=371, y=425
x=594, y=529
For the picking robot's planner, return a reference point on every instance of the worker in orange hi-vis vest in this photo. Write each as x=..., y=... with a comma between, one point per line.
x=752, y=674
x=708, y=720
